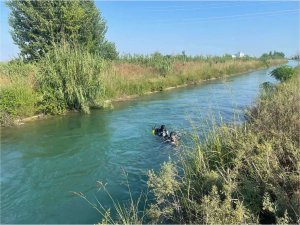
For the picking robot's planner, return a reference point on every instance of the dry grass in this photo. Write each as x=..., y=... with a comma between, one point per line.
x=124, y=79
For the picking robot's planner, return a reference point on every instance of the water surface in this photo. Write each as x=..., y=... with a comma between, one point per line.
x=43, y=162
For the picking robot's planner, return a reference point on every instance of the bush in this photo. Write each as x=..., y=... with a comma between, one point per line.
x=283, y=73
x=16, y=100
x=70, y=78
x=241, y=174
x=160, y=63
x=247, y=173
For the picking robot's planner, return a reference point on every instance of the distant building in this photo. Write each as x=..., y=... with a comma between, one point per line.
x=238, y=55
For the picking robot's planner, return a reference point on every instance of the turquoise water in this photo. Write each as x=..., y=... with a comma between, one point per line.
x=43, y=162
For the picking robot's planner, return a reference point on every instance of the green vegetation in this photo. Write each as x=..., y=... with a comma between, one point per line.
x=67, y=64
x=238, y=173
x=69, y=77
x=16, y=101
x=273, y=55
x=38, y=25
x=137, y=75
x=266, y=57
x=246, y=173
x=284, y=73
x=17, y=95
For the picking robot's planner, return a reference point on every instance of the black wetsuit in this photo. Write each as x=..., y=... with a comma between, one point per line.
x=162, y=131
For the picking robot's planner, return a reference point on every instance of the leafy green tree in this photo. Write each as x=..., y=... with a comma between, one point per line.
x=108, y=50
x=37, y=25
x=283, y=73
x=273, y=55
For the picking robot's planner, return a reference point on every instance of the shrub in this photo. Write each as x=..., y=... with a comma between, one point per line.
x=237, y=174
x=283, y=73
x=16, y=100
x=160, y=63
x=70, y=77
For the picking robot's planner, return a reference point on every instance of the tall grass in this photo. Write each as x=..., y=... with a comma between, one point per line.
x=137, y=75
x=17, y=95
x=238, y=173
x=16, y=101
x=71, y=77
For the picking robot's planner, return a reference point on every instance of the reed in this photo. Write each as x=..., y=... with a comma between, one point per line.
x=246, y=173
x=137, y=76
x=71, y=78
x=237, y=173
x=17, y=95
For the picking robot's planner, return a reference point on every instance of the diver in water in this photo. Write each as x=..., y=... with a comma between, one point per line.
x=173, y=138
x=165, y=132
x=162, y=131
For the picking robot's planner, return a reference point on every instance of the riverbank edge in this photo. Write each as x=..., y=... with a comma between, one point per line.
x=188, y=84
x=229, y=162
x=109, y=102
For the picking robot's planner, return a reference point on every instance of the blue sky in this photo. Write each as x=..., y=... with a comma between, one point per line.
x=197, y=27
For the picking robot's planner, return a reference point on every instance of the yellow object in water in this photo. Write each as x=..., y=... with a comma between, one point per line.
x=153, y=131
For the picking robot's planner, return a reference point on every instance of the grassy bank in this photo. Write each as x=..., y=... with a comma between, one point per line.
x=245, y=173
x=130, y=78
x=69, y=78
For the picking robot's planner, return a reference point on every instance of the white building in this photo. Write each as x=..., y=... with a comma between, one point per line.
x=238, y=55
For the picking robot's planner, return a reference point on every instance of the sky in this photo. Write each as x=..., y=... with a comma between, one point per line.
x=196, y=27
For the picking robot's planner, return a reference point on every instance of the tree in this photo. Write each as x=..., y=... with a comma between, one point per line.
x=108, y=50
x=37, y=25
x=273, y=55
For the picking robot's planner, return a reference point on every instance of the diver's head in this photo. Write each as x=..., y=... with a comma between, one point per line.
x=163, y=127
x=173, y=136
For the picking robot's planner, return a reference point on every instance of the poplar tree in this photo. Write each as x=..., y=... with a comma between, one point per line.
x=38, y=25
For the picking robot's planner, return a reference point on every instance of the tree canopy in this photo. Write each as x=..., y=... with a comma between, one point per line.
x=273, y=55
x=38, y=25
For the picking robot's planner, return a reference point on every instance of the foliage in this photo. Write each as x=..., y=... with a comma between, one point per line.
x=283, y=73
x=267, y=57
x=160, y=63
x=70, y=76
x=238, y=173
x=108, y=51
x=216, y=210
x=119, y=78
x=16, y=100
x=38, y=25
x=137, y=75
x=246, y=173
x=273, y=55
x=18, y=97
x=16, y=70
x=165, y=183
